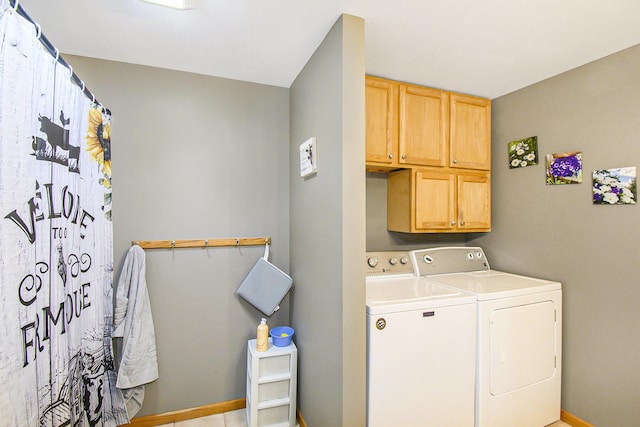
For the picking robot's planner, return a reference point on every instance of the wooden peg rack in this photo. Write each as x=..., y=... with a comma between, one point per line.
x=201, y=243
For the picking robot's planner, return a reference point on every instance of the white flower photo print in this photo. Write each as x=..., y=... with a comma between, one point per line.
x=523, y=152
x=615, y=186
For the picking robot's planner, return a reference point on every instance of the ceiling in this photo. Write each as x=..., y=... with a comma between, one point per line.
x=482, y=47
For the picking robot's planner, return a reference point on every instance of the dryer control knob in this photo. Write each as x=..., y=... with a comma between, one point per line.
x=393, y=261
x=428, y=259
x=372, y=262
x=404, y=260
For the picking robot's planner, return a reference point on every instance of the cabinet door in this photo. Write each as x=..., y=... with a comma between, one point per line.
x=381, y=111
x=424, y=131
x=435, y=207
x=474, y=202
x=470, y=132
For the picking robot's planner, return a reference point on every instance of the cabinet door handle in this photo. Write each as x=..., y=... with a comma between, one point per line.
x=453, y=223
x=404, y=157
x=455, y=160
x=391, y=156
x=461, y=222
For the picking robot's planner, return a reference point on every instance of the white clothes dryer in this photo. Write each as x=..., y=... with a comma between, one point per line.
x=421, y=348
x=519, y=336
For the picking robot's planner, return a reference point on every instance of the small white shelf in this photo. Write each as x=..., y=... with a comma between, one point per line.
x=271, y=385
x=273, y=403
x=274, y=378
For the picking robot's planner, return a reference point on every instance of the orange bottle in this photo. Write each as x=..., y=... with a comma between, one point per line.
x=262, y=338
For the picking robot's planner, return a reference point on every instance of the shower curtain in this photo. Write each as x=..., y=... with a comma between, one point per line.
x=56, y=244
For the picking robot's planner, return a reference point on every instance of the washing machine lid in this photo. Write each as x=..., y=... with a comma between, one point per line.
x=405, y=293
x=493, y=284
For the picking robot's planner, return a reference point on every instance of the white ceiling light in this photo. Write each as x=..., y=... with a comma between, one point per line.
x=176, y=4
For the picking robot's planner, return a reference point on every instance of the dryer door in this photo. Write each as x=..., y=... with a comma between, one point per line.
x=522, y=346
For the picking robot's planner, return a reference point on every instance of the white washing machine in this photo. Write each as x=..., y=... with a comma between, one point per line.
x=421, y=348
x=519, y=336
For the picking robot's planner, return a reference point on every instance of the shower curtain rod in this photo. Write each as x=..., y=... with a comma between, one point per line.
x=201, y=243
x=53, y=51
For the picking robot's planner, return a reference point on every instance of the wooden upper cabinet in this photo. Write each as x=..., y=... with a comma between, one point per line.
x=381, y=107
x=411, y=125
x=470, y=144
x=424, y=131
x=435, y=146
x=435, y=201
x=474, y=202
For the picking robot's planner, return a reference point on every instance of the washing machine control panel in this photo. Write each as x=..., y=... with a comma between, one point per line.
x=389, y=262
x=448, y=260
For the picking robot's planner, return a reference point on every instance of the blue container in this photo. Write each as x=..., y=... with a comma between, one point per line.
x=281, y=335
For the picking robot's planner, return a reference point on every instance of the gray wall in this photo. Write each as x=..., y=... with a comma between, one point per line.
x=196, y=157
x=327, y=230
x=556, y=232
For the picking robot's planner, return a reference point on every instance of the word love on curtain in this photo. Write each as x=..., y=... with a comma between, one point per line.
x=56, y=243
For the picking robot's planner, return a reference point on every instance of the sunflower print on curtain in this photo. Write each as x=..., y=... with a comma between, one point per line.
x=56, y=242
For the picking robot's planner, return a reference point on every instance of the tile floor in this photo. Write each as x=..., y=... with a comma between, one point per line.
x=238, y=419
x=228, y=419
